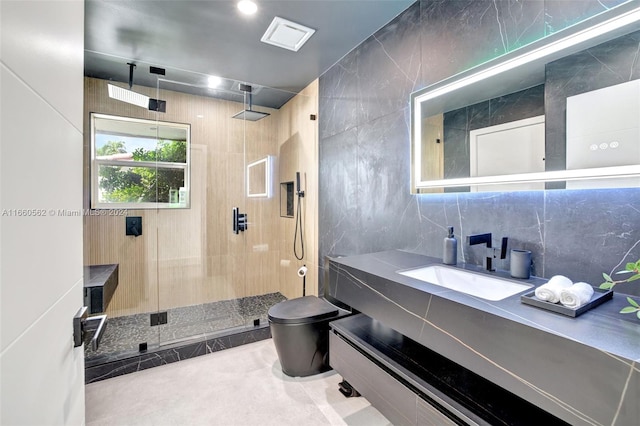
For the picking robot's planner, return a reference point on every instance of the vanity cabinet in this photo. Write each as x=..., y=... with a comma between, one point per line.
x=454, y=353
x=361, y=366
x=412, y=385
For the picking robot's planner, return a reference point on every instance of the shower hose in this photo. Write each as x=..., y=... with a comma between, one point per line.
x=295, y=238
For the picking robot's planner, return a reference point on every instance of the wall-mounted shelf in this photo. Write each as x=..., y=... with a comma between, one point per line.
x=100, y=282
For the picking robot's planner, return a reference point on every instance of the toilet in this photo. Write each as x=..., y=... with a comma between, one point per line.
x=300, y=331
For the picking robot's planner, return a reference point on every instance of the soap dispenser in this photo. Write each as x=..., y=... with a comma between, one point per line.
x=450, y=254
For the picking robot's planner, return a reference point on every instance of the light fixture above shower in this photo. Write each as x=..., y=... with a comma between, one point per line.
x=134, y=98
x=249, y=114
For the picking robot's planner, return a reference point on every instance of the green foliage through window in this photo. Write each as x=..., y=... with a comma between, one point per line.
x=138, y=184
x=139, y=163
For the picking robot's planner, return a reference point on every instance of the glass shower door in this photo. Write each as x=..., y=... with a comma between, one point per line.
x=189, y=275
x=120, y=229
x=200, y=260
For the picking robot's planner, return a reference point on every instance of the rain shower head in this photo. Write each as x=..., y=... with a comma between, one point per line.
x=134, y=98
x=249, y=114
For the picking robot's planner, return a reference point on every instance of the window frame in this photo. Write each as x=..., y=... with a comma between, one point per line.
x=156, y=165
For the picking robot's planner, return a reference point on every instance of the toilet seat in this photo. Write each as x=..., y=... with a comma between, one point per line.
x=301, y=310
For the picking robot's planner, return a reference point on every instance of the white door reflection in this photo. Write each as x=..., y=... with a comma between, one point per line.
x=506, y=149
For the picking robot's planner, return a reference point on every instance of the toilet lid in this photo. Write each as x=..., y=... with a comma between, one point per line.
x=301, y=310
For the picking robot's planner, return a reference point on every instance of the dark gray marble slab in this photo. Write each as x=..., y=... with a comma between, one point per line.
x=560, y=14
x=582, y=370
x=389, y=66
x=364, y=174
x=174, y=353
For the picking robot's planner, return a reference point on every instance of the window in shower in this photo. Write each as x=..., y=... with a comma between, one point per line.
x=137, y=163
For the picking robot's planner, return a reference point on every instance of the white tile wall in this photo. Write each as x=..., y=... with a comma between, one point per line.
x=41, y=67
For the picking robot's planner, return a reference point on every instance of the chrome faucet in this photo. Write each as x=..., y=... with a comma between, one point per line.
x=492, y=253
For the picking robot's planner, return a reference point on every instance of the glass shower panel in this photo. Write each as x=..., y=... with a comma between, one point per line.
x=120, y=237
x=188, y=275
x=201, y=263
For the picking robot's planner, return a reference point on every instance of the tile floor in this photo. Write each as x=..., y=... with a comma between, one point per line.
x=241, y=386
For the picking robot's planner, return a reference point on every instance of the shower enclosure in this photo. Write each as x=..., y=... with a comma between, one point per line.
x=176, y=171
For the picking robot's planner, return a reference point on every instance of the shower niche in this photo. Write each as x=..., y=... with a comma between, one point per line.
x=286, y=199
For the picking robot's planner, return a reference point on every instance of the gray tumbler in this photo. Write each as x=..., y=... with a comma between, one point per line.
x=520, y=263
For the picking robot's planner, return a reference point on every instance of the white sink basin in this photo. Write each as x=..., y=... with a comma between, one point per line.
x=474, y=284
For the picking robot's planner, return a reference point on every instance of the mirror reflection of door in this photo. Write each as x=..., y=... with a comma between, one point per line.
x=508, y=149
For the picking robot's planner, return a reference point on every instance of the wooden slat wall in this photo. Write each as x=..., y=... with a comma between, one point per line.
x=191, y=256
x=298, y=151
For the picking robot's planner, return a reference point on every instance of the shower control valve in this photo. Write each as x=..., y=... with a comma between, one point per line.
x=239, y=221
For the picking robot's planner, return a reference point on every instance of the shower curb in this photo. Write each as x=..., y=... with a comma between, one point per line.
x=179, y=352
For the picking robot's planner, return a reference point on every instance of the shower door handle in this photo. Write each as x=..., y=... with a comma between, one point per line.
x=81, y=324
x=239, y=221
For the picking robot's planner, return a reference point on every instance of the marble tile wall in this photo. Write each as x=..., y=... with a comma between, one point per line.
x=365, y=202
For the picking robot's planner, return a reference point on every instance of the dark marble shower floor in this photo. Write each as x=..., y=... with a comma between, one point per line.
x=123, y=335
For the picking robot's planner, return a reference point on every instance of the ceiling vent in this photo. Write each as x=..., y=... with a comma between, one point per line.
x=287, y=34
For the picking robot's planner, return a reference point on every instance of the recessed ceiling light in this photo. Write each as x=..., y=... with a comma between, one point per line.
x=286, y=34
x=214, y=81
x=247, y=7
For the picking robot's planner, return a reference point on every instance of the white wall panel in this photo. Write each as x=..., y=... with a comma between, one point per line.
x=41, y=67
x=42, y=373
x=41, y=174
x=43, y=42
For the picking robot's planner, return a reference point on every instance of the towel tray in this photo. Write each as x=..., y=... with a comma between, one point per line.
x=599, y=297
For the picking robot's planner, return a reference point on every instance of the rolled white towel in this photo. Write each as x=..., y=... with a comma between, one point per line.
x=576, y=295
x=550, y=292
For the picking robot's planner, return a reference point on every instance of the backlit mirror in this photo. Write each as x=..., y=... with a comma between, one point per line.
x=258, y=178
x=504, y=125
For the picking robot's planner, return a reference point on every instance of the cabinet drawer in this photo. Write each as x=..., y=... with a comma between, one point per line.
x=387, y=394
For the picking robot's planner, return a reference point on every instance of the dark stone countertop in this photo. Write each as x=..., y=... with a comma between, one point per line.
x=581, y=369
